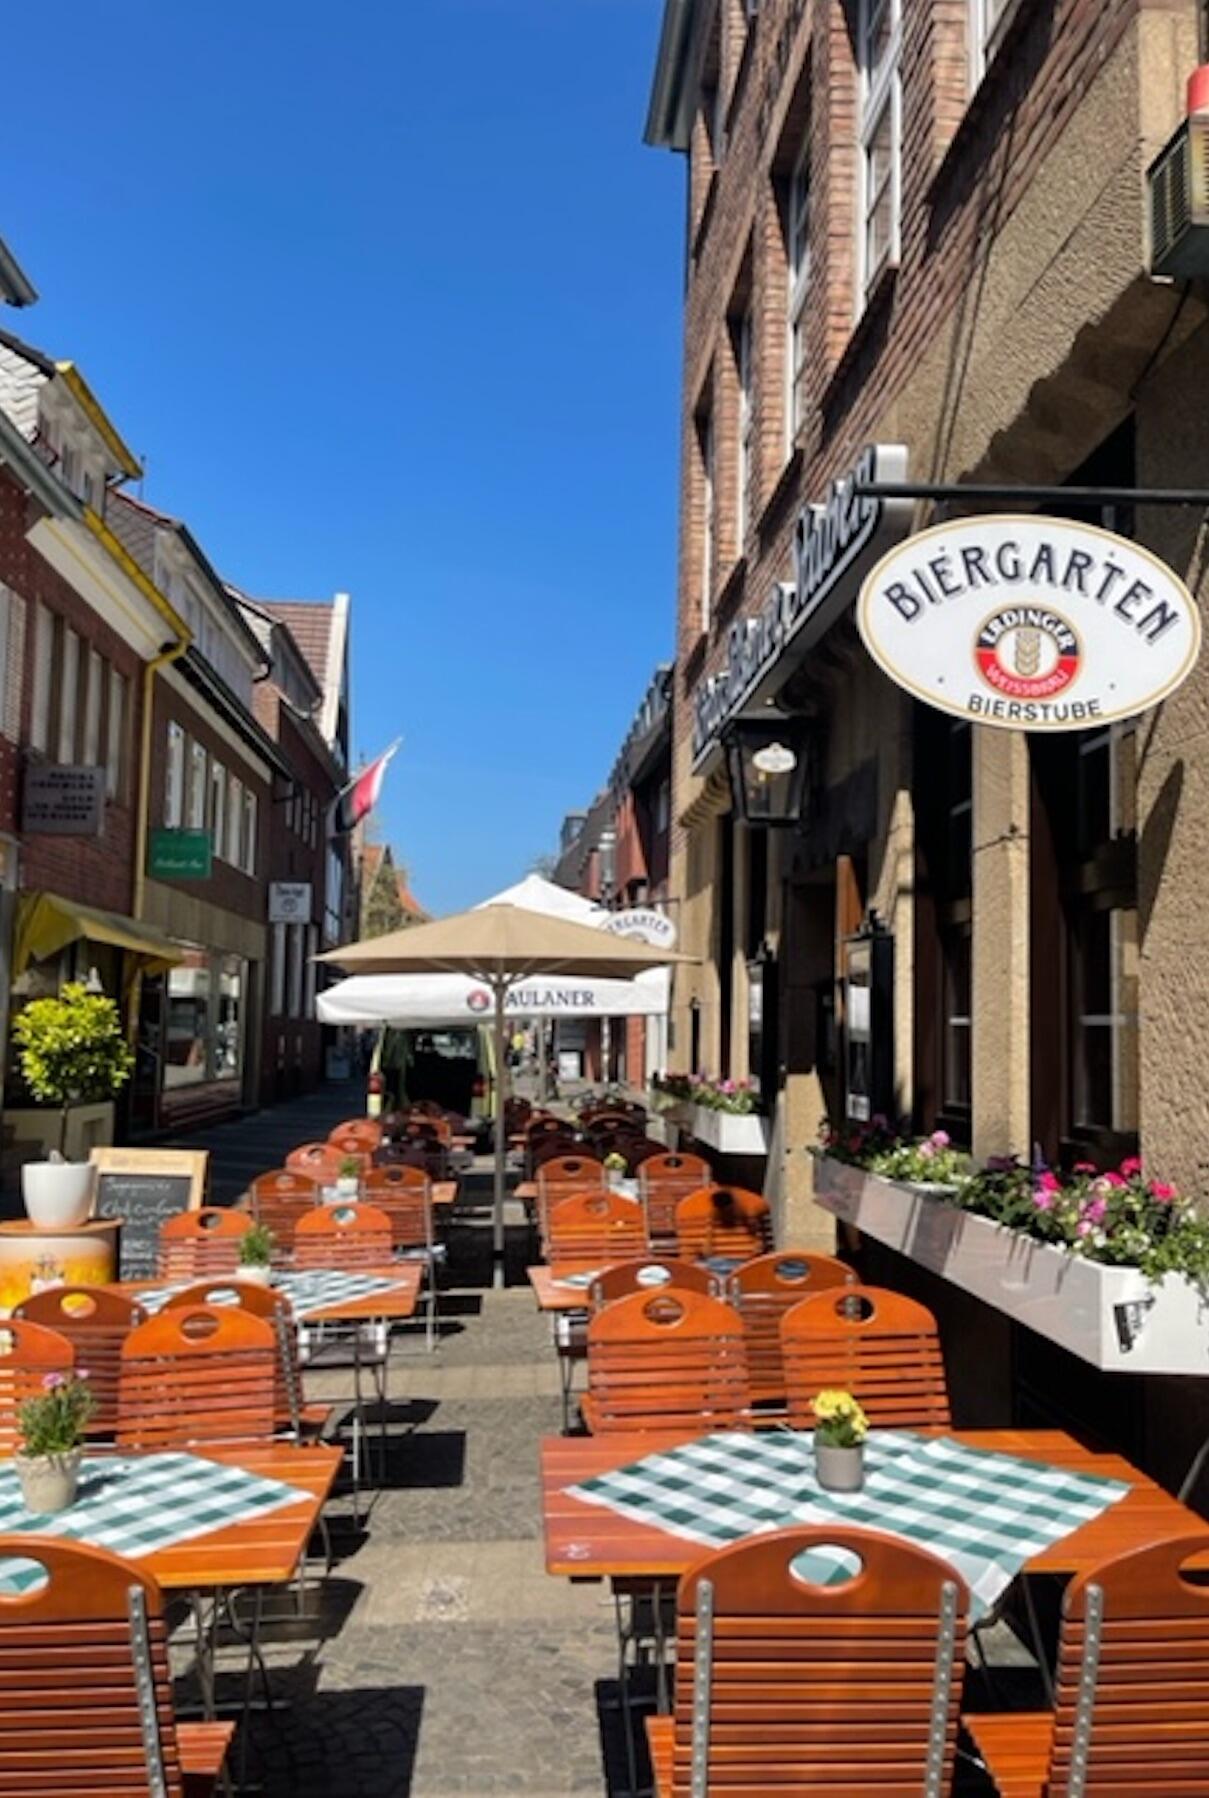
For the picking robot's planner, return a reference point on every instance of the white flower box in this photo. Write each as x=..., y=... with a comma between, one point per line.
x=1113, y=1317
x=730, y=1132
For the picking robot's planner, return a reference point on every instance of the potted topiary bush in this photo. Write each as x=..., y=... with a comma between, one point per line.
x=256, y=1254
x=71, y=1051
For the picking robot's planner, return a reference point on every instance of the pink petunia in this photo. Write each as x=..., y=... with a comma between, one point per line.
x=1111, y=1179
x=1163, y=1191
x=52, y=1381
x=927, y=1149
x=1085, y=1228
x=1131, y=1166
x=1048, y=1182
x=1043, y=1198
x=940, y=1138
x=1094, y=1211
x=1084, y=1167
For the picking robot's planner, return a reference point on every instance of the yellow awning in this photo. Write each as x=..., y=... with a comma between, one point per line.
x=46, y=923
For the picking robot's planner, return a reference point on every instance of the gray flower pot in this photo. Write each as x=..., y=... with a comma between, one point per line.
x=839, y=1469
x=48, y=1482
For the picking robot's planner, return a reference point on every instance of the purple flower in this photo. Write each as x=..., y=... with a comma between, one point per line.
x=52, y=1381
x=1093, y=1212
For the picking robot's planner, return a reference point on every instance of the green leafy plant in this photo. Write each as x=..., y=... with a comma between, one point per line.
x=839, y=1420
x=72, y=1050
x=350, y=1168
x=859, y=1144
x=737, y=1097
x=615, y=1163
x=53, y=1423
x=931, y=1161
x=256, y=1246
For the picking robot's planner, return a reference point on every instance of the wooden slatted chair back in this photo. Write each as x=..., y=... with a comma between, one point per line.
x=438, y=1123
x=849, y=1688
x=28, y=1352
x=723, y=1221
x=405, y=1195
x=559, y=1178
x=96, y=1322
x=663, y=1181
x=321, y=1160
x=346, y=1236
x=266, y=1302
x=358, y=1138
x=553, y=1148
x=667, y=1360
x=71, y=1696
x=279, y=1199
x=648, y=1273
x=202, y=1373
x=878, y=1345
x=195, y=1244
x=762, y=1291
x=595, y=1226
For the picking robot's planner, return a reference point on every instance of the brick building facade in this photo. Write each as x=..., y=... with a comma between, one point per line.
x=922, y=227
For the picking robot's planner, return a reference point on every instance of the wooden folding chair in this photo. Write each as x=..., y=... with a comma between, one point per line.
x=85, y=1685
x=359, y=1136
x=560, y=1178
x=278, y=1200
x=292, y=1415
x=878, y=1345
x=595, y=1226
x=203, y=1373
x=28, y=1352
x=321, y=1160
x=195, y=1244
x=666, y=1360
x=1132, y=1701
x=96, y=1322
x=724, y=1223
x=762, y=1291
x=651, y=1273
x=405, y=1194
x=663, y=1180
x=346, y=1235
x=786, y=1685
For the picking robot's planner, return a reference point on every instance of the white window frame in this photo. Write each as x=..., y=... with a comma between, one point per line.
x=797, y=223
x=69, y=695
x=988, y=22
x=709, y=509
x=745, y=358
x=174, y=776
x=218, y=806
x=93, y=685
x=310, y=971
x=231, y=849
x=199, y=785
x=880, y=94
x=277, y=970
x=297, y=948
x=115, y=734
x=44, y=663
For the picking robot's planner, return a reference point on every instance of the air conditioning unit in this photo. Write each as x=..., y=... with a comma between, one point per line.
x=1178, y=181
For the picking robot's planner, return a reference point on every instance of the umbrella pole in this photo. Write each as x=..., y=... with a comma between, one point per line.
x=501, y=1134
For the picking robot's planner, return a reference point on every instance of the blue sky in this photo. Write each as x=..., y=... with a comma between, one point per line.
x=388, y=298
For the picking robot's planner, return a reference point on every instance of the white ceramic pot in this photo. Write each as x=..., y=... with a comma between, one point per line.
x=48, y=1482
x=58, y=1194
x=254, y=1273
x=839, y=1469
x=347, y=1188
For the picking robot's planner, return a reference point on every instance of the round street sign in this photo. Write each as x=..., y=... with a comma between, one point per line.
x=1029, y=623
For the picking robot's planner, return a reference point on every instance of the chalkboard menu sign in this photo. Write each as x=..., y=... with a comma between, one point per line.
x=144, y=1187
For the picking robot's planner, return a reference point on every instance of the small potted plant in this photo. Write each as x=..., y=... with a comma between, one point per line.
x=839, y=1442
x=72, y=1051
x=256, y=1254
x=348, y=1178
x=52, y=1428
x=615, y=1169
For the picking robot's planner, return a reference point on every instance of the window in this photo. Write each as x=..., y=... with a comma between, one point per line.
x=297, y=944
x=115, y=735
x=248, y=862
x=662, y=805
x=333, y=905
x=197, y=787
x=69, y=694
x=44, y=655
x=174, y=778
x=705, y=444
x=987, y=21
x=277, y=971
x=218, y=806
x=312, y=946
x=234, y=820
x=1104, y=939
x=744, y=353
x=878, y=49
x=92, y=710
x=69, y=466
x=798, y=259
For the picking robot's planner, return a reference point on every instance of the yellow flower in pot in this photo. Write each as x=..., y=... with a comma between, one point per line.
x=839, y=1441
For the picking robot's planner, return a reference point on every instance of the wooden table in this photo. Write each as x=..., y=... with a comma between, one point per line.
x=592, y=1540
x=442, y=1192
x=395, y=1306
x=551, y=1295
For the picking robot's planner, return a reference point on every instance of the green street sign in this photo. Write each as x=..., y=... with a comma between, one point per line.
x=181, y=855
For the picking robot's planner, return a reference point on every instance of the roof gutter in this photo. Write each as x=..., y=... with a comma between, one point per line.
x=91, y=406
x=15, y=285
x=34, y=475
x=669, y=119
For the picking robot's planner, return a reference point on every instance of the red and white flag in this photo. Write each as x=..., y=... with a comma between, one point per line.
x=359, y=797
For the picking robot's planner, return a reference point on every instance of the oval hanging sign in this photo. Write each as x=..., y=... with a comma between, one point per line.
x=1029, y=623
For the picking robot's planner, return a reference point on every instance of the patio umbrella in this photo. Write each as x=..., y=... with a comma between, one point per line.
x=499, y=945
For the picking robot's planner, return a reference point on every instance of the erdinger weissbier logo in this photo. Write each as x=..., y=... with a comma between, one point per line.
x=1029, y=623
x=1027, y=652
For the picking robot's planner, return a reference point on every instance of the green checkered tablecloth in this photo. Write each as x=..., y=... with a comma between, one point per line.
x=581, y=1281
x=307, y=1292
x=136, y=1504
x=984, y=1513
